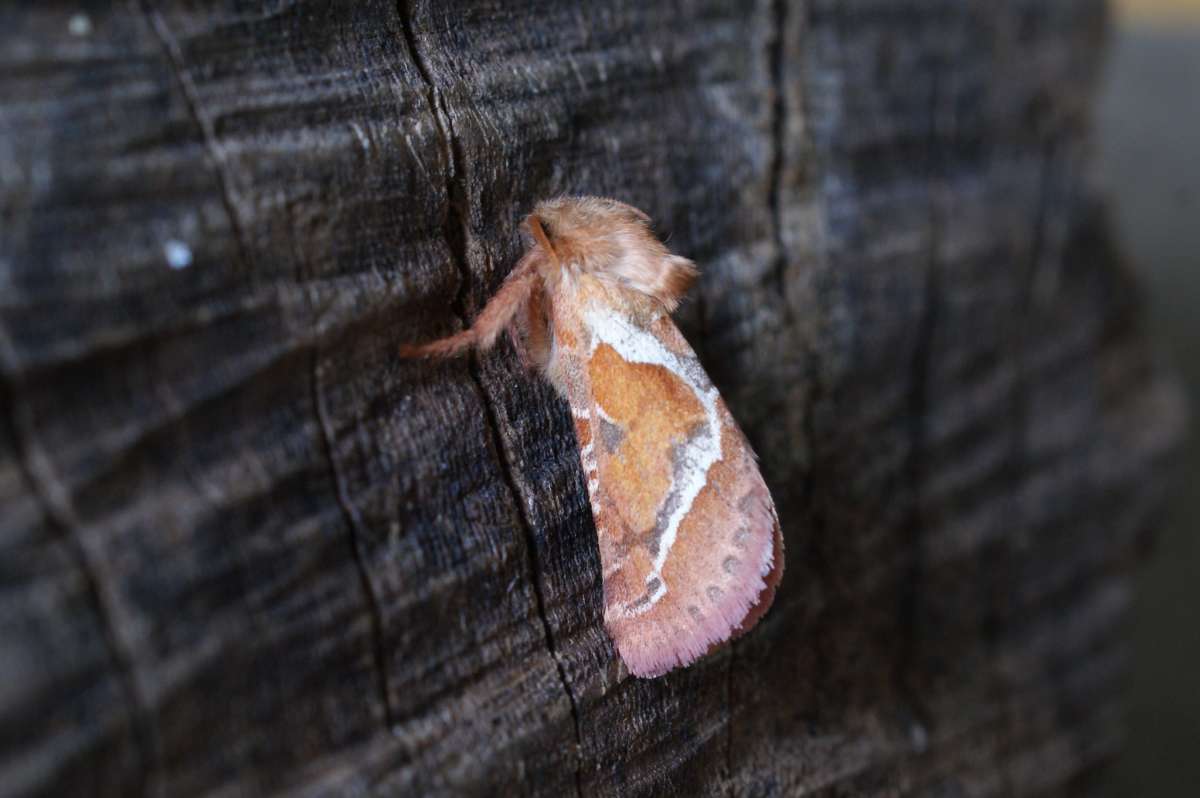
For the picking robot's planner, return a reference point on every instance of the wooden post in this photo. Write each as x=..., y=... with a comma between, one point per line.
x=245, y=549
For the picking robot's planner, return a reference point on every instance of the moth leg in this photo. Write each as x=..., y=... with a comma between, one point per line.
x=495, y=318
x=536, y=328
x=517, y=332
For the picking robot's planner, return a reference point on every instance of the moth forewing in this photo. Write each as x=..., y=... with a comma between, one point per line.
x=688, y=539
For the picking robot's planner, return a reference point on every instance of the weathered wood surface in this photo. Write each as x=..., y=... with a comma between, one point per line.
x=245, y=550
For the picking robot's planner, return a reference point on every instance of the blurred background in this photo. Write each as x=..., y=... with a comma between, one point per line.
x=1148, y=160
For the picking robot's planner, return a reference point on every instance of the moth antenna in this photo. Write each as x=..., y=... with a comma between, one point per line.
x=495, y=317
x=534, y=224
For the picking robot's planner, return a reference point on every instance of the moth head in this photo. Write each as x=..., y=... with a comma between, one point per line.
x=611, y=241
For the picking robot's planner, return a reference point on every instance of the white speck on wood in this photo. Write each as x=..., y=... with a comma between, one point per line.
x=178, y=254
x=79, y=25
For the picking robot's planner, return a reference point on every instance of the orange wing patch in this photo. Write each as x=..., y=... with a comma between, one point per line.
x=643, y=414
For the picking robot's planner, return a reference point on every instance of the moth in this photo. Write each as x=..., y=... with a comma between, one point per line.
x=689, y=539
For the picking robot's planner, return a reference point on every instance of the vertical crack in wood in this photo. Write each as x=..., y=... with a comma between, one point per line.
x=997, y=583
x=357, y=533
x=776, y=21
x=455, y=233
x=915, y=474
x=177, y=63
x=1017, y=461
x=535, y=566
x=212, y=145
x=776, y=64
x=46, y=489
x=810, y=489
x=918, y=409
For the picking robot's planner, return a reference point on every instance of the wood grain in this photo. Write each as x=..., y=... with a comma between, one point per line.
x=247, y=550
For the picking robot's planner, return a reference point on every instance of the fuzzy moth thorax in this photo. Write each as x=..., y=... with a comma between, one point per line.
x=611, y=241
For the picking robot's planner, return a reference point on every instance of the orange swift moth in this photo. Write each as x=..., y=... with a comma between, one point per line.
x=689, y=539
